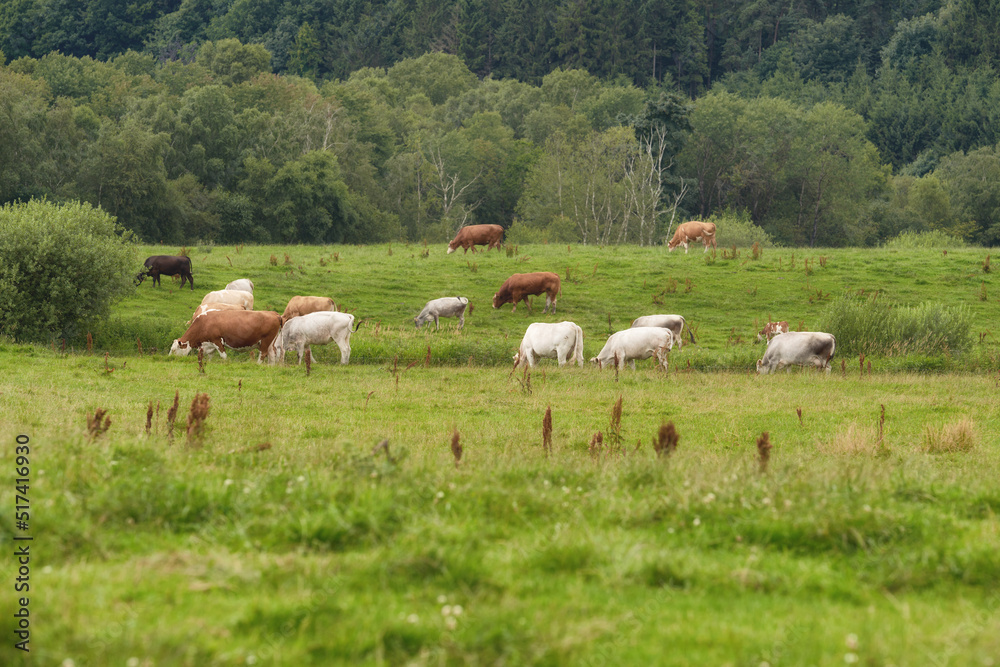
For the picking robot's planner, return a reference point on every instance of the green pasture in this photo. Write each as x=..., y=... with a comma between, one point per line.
x=283, y=535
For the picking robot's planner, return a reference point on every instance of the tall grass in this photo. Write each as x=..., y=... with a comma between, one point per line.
x=874, y=325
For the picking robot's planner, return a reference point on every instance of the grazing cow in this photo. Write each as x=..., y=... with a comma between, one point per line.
x=318, y=328
x=448, y=306
x=166, y=265
x=638, y=343
x=244, y=284
x=562, y=342
x=798, y=348
x=675, y=323
x=693, y=231
x=772, y=329
x=520, y=285
x=212, y=307
x=233, y=296
x=235, y=329
x=490, y=236
x=303, y=305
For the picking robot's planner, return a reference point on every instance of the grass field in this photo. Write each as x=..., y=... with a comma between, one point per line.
x=279, y=537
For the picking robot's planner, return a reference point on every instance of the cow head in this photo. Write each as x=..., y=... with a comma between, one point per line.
x=141, y=276
x=497, y=302
x=760, y=367
x=179, y=349
x=451, y=247
x=416, y=320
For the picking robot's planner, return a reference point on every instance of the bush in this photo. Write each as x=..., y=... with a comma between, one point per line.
x=874, y=325
x=739, y=230
x=61, y=268
x=935, y=239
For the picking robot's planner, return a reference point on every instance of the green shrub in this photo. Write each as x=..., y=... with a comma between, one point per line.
x=736, y=228
x=873, y=324
x=61, y=268
x=934, y=239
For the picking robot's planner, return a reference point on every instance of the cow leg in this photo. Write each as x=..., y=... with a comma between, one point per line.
x=437, y=327
x=685, y=247
x=461, y=320
x=345, y=351
x=632, y=364
x=527, y=302
x=663, y=355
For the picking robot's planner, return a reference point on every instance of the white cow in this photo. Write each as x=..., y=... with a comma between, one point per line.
x=638, y=343
x=675, y=323
x=798, y=348
x=244, y=284
x=448, y=306
x=562, y=341
x=236, y=297
x=318, y=328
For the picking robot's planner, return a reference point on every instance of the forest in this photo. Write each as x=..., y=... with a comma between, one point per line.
x=811, y=123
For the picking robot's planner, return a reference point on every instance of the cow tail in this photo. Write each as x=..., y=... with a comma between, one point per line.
x=578, y=355
x=690, y=334
x=357, y=325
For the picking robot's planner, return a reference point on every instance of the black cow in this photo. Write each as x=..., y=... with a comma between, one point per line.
x=167, y=265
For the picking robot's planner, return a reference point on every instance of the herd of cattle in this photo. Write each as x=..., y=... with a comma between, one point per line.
x=226, y=318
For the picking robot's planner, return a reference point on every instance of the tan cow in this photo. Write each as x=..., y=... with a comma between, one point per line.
x=236, y=329
x=235, y=297
x=490, y=236
x=772, y=329
x=693, y=231
x=520, y=285
x=303, y=305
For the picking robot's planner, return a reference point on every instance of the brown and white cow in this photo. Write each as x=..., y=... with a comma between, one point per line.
x=675, y=323
x=798, y=348
x=693, y=231
x=520, y=285
x=236, y=329
x=212, y=307
x=303, y=305
x=232, y=296
x=772, y=329
x=470, y=236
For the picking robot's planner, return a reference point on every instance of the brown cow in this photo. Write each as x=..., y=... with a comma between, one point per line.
x=233, y=328
x=490, y=236
x=772, y=329
x=303, y=305
x=520, y=285
x=693, y=231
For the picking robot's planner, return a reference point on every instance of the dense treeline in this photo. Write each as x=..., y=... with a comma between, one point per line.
x=825, y=123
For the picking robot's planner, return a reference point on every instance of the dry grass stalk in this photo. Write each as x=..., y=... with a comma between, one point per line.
x=309, y=365
x=547, y=431
x=615, y=424
x=986, y=264
x=138, y=343
x=880, y=443
x=90, y=343
x=798, y=411
x=383, y=447
x=764, y=451
x=274, y=260
x=960, y=436
x=596, y=445
x=261, y=447
x=288, y=260
x=98, y=423
x=756, y=250
x=456, y=447
x=427, y=359
x=172, y=415
x=201, y=360
x=149, y=417
x=196, y=418
x=666, y=440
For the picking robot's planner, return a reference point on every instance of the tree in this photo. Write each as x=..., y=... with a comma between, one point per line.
x=61, y=268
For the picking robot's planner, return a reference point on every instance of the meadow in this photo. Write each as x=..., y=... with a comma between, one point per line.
x=281, y=533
